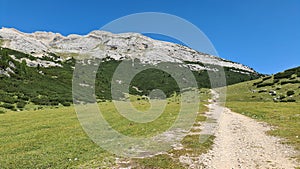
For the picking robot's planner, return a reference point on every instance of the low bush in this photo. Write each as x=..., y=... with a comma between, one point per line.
x=66, y=104
x=8, y=106
x=276, y=80
x=21, y=104
x=8, y=99
x=290, y=92
x=285, y=74
x=265, y=84
x=291, y=100
x=256, y=83
x=261, y=91
x=267, y=77
x=54, y=103
x=282, y=96
x=292, y=78
x=289, y=81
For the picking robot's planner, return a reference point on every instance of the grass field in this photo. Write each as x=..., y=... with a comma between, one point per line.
x=53, y=138
x=50, y=138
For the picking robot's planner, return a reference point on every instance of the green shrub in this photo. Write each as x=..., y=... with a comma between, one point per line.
x=8, y=99
x=256, y=83
x=276, y=80
x=8, y=106
x=292, y=78
x=291, y=100
x=290, y=92
x=54, y=103
x=262, y=91
x=41, y=100
x=21, y=104
x=267, y=77
x=2, y=111
x=25, y=98
x=66, y=104
x=265, y=84
x=289, y=81
x=285, y=74
x=282, y=97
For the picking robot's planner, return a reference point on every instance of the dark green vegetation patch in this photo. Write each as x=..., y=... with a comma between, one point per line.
x=52, y=86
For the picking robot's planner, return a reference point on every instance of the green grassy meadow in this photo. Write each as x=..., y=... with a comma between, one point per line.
x=50, y=138
x=53, y=138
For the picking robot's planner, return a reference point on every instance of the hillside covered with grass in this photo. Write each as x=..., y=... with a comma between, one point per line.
x=273, y=99
x=280, y=87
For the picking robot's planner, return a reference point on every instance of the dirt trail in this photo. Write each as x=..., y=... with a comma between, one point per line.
x=242, y=142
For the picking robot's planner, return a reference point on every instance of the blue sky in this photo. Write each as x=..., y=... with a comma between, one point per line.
x=263, y=34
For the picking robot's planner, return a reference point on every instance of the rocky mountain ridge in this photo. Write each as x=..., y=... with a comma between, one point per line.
x=38, y=68
x=103, y=44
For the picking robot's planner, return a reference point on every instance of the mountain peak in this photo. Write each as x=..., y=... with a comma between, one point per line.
x=10, y=30
x=116, y=46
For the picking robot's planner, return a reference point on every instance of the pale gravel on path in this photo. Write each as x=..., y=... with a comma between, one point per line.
x=242, y=142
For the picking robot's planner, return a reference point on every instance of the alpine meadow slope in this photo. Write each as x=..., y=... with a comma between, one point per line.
x=273, y=99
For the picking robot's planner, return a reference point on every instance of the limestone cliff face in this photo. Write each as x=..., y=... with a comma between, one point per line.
x=117, y=46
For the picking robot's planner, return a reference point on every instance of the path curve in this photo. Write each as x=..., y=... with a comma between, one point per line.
x=242, y=142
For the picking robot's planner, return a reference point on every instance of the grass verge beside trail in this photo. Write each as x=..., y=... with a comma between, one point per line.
x=191, y=146
x=53, y=138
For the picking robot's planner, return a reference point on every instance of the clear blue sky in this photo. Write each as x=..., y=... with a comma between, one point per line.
x=263, y=34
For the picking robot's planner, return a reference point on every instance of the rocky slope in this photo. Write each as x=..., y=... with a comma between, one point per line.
x=39, y=67
x=116, y=46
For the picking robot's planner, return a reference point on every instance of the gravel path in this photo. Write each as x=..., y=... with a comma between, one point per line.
x=241, y=142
